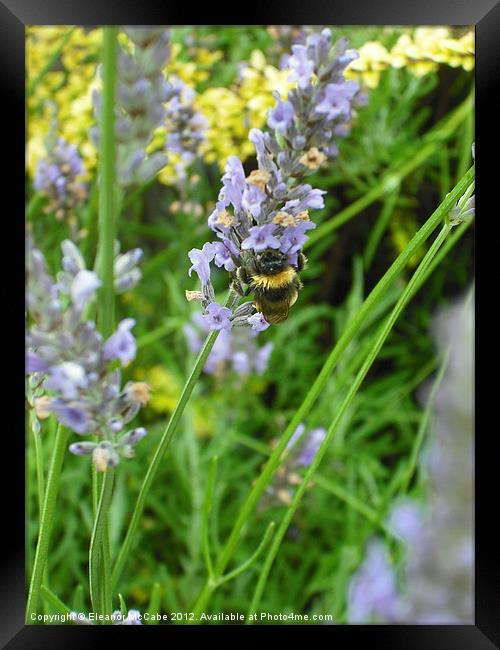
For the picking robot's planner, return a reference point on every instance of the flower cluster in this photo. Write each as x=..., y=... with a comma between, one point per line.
x=300, y=452
x=234, y=349
x=438, y=574
x=419, y=53
x=373, y=590
x=193, y=61
x=68, y=358
x=269, y=209
x=70, y=83
x=185, y=131
x=142, y=91
x=284, y=37
x=58, y=176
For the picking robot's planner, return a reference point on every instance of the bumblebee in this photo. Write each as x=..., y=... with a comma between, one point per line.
x=274, y=282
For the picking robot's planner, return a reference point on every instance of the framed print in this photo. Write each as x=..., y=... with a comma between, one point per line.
x=250, y=323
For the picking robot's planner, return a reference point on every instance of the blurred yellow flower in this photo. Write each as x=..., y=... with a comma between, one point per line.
x=419, y=53
x=165, y=392
x=165, y=388
x=67, y=85
x=373, y=58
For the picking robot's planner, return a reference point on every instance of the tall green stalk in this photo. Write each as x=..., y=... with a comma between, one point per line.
x=99, y=552
x=46, y=522
x=163, y=444
x=107, y=218
x=351, y=330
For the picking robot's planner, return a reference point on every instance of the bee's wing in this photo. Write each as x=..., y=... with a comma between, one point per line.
x=275, y=317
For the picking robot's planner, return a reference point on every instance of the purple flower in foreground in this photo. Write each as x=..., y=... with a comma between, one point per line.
x=258, y=322
x=121, y=345
x=337, y=99
x=260, y=238
x=74, y=418
x=201, y=261
x=223, y=256
x=233, y=182
x=84, y=287
x=301, y=66
x=281, y=117
x=293, y=237
x=372, y=591
x=252, y=199
x=34, y=363
x=67, y=378
x=218, y=317
x=437, y=585
x=311, y=198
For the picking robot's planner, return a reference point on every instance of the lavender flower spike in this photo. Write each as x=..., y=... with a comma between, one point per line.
x=269, y=209
x=217, y=317
x=121, y=345
x=142, y=91
x=74, y=366
x=235, y=349
x=59, y=178
x=437, y=574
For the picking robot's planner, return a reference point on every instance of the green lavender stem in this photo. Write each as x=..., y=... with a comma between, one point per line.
x=40, y=474
x=107, y=225
x=163, y=445
x=403, y=300
x=100, y=591
x=99, y=552
x=46, y=521
x=351, y=330
x=54, y=601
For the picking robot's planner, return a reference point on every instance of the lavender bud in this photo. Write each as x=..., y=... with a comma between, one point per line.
x=133, y=437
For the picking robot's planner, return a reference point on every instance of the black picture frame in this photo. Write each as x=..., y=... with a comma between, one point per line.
x=15, y=15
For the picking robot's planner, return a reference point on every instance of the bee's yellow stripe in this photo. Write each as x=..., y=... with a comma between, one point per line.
x=275, y=281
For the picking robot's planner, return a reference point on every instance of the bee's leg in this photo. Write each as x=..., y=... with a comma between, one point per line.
x=301, y=261
x=236, y=286
x=243, y=275
x=237, y=283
